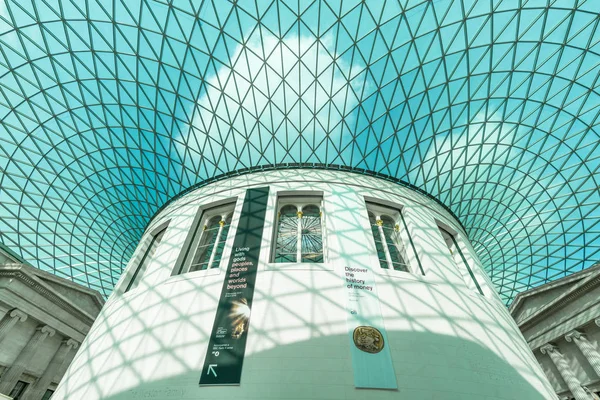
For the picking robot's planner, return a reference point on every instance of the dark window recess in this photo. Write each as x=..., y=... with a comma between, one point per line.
x=154, y=242
x=452, y=245
x=18, y=390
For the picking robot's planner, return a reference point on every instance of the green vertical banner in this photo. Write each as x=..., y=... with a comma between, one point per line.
x=227, y=343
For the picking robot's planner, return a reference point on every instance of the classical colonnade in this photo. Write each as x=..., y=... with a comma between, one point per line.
x=12, y=374
x=589, y=351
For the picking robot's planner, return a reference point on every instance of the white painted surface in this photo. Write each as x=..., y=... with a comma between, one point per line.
x=447, y=341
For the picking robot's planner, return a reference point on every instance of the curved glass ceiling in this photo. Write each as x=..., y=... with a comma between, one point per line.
x=110, y=108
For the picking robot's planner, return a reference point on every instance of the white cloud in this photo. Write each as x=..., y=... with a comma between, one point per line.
x=278, y=86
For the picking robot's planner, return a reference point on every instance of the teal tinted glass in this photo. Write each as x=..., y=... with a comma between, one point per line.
x=108, y=109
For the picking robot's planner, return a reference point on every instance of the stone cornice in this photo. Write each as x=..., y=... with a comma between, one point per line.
x=69, y=284
x=577, y=276
x=584, y=286
x=16, y=272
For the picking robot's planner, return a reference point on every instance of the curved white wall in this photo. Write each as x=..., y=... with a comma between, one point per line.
x=446, y=340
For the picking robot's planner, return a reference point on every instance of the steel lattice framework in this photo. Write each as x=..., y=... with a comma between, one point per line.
x=109, y=109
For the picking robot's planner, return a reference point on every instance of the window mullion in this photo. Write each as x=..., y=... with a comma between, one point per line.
x=216, y=244
x=388, y=257
x=299, y=238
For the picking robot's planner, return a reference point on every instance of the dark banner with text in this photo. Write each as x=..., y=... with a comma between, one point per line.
x=227, y=344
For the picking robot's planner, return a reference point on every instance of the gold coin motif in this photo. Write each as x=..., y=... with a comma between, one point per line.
x=368, y=339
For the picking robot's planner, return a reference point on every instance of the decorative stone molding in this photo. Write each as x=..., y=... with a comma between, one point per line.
x=16, y=313
x=571, y=336
x=565, y=371
x=597, y=321
x=47, y=293
x=9, y=320
x=585, y=286
x=589, y=351
x=548, y=348
x=71, y=343
x=47, y=329
x=37, y=390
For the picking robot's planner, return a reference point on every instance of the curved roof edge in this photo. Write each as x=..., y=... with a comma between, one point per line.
x=321, y=166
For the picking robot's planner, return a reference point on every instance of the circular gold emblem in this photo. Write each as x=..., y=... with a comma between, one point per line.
x=368, y=339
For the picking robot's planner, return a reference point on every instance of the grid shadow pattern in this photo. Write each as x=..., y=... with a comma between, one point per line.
x=108, y=109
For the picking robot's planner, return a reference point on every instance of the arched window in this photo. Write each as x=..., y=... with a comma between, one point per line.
x=206, y=239
x=286, y=249
x=210, y=248
x=311, y=234
x=385, y=228
x=299, y=232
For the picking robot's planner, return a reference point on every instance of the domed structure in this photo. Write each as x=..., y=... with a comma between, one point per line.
x=109, y=110
x=304, y=284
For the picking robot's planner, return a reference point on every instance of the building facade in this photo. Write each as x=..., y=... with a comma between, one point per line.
x=43, y=320
x=304, y=284
x=561, y=323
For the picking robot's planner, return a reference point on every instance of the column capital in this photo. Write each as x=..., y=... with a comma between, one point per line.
x=597, y=321
x=71, y=343
x=47, y=329
x=571, y=336
x=548, y=348
x=16, y=313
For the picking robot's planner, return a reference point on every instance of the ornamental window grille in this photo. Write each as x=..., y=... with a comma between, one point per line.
x=214, y=229
x=299, y=237
x=149, y=253
x=457, y=255
x=385, y=225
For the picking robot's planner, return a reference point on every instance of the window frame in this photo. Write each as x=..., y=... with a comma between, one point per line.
x=142, y=261
x=454, y=237
x=396, y=213
x=225, y=208
x=299, y=201
x=21, y=390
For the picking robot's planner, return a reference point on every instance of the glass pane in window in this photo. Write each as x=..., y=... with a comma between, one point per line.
x=377, y=238
x=311, y=234
x=207, y=243
x=394, y=244
x=221, y=243
x=286, y=249
x=137, y=275
x=18, y=390
x=48, y=394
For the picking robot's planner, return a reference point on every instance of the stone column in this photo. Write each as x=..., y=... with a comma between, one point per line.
x=9, y=378
x=37, y=390
x=588, y=349
x=9, y=321
x=565, y=371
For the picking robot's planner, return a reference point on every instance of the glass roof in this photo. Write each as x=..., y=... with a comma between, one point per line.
x=110, y=108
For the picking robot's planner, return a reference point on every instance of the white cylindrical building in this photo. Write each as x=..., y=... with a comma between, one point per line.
x=364, y=289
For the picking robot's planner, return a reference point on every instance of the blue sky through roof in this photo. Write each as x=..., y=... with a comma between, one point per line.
x=110, y=108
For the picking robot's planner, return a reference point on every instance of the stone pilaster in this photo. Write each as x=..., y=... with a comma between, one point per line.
x=565, y=371
x=10, y=377
x=588, y=349
x=9, y=321
x=37, y=389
